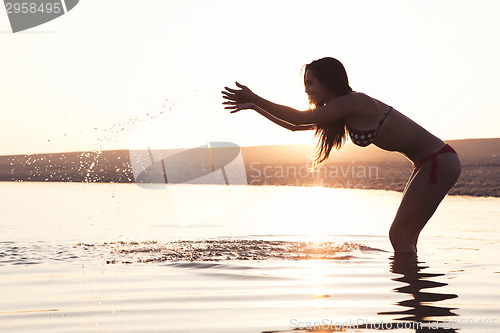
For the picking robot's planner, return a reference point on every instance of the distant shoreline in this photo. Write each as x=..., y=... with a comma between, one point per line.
x=273, y=165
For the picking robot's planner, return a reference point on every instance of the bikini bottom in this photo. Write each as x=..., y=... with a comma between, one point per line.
x=433, y=158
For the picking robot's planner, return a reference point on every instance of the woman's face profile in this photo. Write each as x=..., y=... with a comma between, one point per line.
x=316, y=91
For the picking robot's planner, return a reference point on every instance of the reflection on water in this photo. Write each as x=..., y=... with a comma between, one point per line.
x=420, y=313
x=253, y=284
x=422, y=306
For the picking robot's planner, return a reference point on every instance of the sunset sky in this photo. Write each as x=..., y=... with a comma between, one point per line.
x=107, y=70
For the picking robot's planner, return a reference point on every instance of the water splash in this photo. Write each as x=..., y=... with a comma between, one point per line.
x=97, y=165
x=227, y=249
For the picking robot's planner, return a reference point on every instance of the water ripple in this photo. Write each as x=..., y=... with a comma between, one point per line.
x=230, y=249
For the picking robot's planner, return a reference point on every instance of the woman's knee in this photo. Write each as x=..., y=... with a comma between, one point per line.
x=402, y=241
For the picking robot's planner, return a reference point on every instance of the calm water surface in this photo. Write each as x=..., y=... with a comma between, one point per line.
x=189, y=258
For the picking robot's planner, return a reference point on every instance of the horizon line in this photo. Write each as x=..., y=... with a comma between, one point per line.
x=248, y=146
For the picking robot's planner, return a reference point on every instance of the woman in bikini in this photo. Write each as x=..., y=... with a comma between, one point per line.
x=336, y=111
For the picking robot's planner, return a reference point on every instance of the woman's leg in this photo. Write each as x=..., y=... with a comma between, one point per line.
x=420, y=200
x=409, y=180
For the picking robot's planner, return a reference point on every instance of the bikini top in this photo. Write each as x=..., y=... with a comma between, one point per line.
x=365, y=138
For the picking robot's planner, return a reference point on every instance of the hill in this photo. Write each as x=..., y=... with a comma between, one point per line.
x=473, y=151
x=352, y=167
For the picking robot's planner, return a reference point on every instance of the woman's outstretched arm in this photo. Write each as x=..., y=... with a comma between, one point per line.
x=244, y=98
x=280, y=122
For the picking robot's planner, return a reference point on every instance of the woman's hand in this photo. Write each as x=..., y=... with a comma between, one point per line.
x=238, y=99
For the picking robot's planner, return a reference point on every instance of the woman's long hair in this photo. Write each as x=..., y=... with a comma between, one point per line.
x=331, y=73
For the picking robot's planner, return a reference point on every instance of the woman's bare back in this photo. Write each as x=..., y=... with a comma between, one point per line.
x=397, y=133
